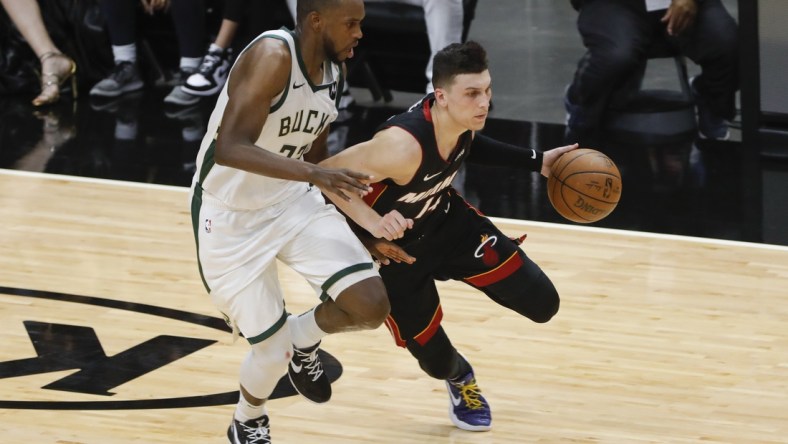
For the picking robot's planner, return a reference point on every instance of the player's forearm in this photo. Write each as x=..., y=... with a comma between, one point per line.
x=488, y=151
x=252, y=159
x=358, y=211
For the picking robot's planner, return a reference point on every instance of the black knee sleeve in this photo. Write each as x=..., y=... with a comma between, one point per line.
x=527, y=291
x=438, y=358
x=543, y=297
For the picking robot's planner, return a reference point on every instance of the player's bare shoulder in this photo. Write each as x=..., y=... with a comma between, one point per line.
x=265, y=64
x=272, y=47
x=400, y=151
x=407, y=146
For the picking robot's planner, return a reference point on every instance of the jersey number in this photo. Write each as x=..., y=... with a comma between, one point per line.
x=293, y=151
x=429, y=206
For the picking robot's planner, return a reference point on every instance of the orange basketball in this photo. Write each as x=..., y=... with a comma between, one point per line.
x=584, y=185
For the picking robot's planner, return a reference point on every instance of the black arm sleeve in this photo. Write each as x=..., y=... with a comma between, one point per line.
x=488, y=151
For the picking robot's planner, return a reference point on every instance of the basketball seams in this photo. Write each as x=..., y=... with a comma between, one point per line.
x=563, y=162
x=598, y=173
x=552, y=186
x=590, y=198
x=562, y=200
x=601, y=166
x=572, y=208
x=578, y=154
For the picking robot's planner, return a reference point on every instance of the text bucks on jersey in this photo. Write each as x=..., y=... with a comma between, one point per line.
x=308, y=121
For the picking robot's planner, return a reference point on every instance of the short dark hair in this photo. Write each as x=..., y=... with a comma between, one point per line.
x=304, y=7
x=458, y=58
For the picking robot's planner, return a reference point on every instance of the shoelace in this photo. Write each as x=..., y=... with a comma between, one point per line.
x=311, y=363
x=256, y=434
x=470, y=393
x=209, y=63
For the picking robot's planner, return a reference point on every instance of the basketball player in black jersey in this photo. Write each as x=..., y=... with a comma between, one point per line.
x=415, y=155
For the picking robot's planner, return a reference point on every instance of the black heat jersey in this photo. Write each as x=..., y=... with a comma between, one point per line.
x=425, y=199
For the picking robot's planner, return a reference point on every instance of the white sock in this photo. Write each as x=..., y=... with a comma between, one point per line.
x=215, y=47
x=125, y=53
x=192, y=133
x=304, y=330
x=190, y=63
x=125, y=130
x=245, y=411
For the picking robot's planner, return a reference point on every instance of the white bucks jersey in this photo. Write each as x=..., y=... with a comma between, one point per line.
x=296, y=117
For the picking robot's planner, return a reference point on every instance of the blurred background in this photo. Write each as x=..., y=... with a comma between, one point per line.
x=735, y=189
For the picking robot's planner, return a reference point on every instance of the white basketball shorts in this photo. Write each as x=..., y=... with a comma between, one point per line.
x=238, y=252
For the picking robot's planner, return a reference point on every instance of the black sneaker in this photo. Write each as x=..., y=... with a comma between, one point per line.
x=124, y=78
x=179, y=96
x=211, y=74
x=307, y=376
x=254, y=431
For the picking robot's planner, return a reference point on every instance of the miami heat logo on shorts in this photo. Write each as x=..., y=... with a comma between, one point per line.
x=486, y=252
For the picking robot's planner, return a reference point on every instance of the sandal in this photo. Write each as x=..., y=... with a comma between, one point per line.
x=56, y=132
x=52, y=80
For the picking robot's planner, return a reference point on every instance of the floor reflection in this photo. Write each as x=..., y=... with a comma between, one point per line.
x=692, y=187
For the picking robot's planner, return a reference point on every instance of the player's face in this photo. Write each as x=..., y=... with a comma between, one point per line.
x=468, y=99
x=343, y=30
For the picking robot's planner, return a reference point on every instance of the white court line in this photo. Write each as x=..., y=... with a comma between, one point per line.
x=94, y=180
x=519, y=222
x=645, y=234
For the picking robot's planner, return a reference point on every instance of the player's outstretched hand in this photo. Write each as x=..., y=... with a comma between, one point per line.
x=551, y=156
x=386, y=251
x=392, y=225
x=340, y=181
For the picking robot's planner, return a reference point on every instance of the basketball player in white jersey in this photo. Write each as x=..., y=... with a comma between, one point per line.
x=253, y=203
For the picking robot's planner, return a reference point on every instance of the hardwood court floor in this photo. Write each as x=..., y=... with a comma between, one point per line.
x=659, y=339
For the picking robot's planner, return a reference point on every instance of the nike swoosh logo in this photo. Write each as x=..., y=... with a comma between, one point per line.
x=447, y=207
x=533, y=154
x=296, y=368
x=297, y=86
x=431, y=176
x=455, y=401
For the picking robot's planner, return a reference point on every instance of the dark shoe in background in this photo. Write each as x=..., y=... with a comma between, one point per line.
x=124, y=78
x=710, y=125
x=211, y=75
